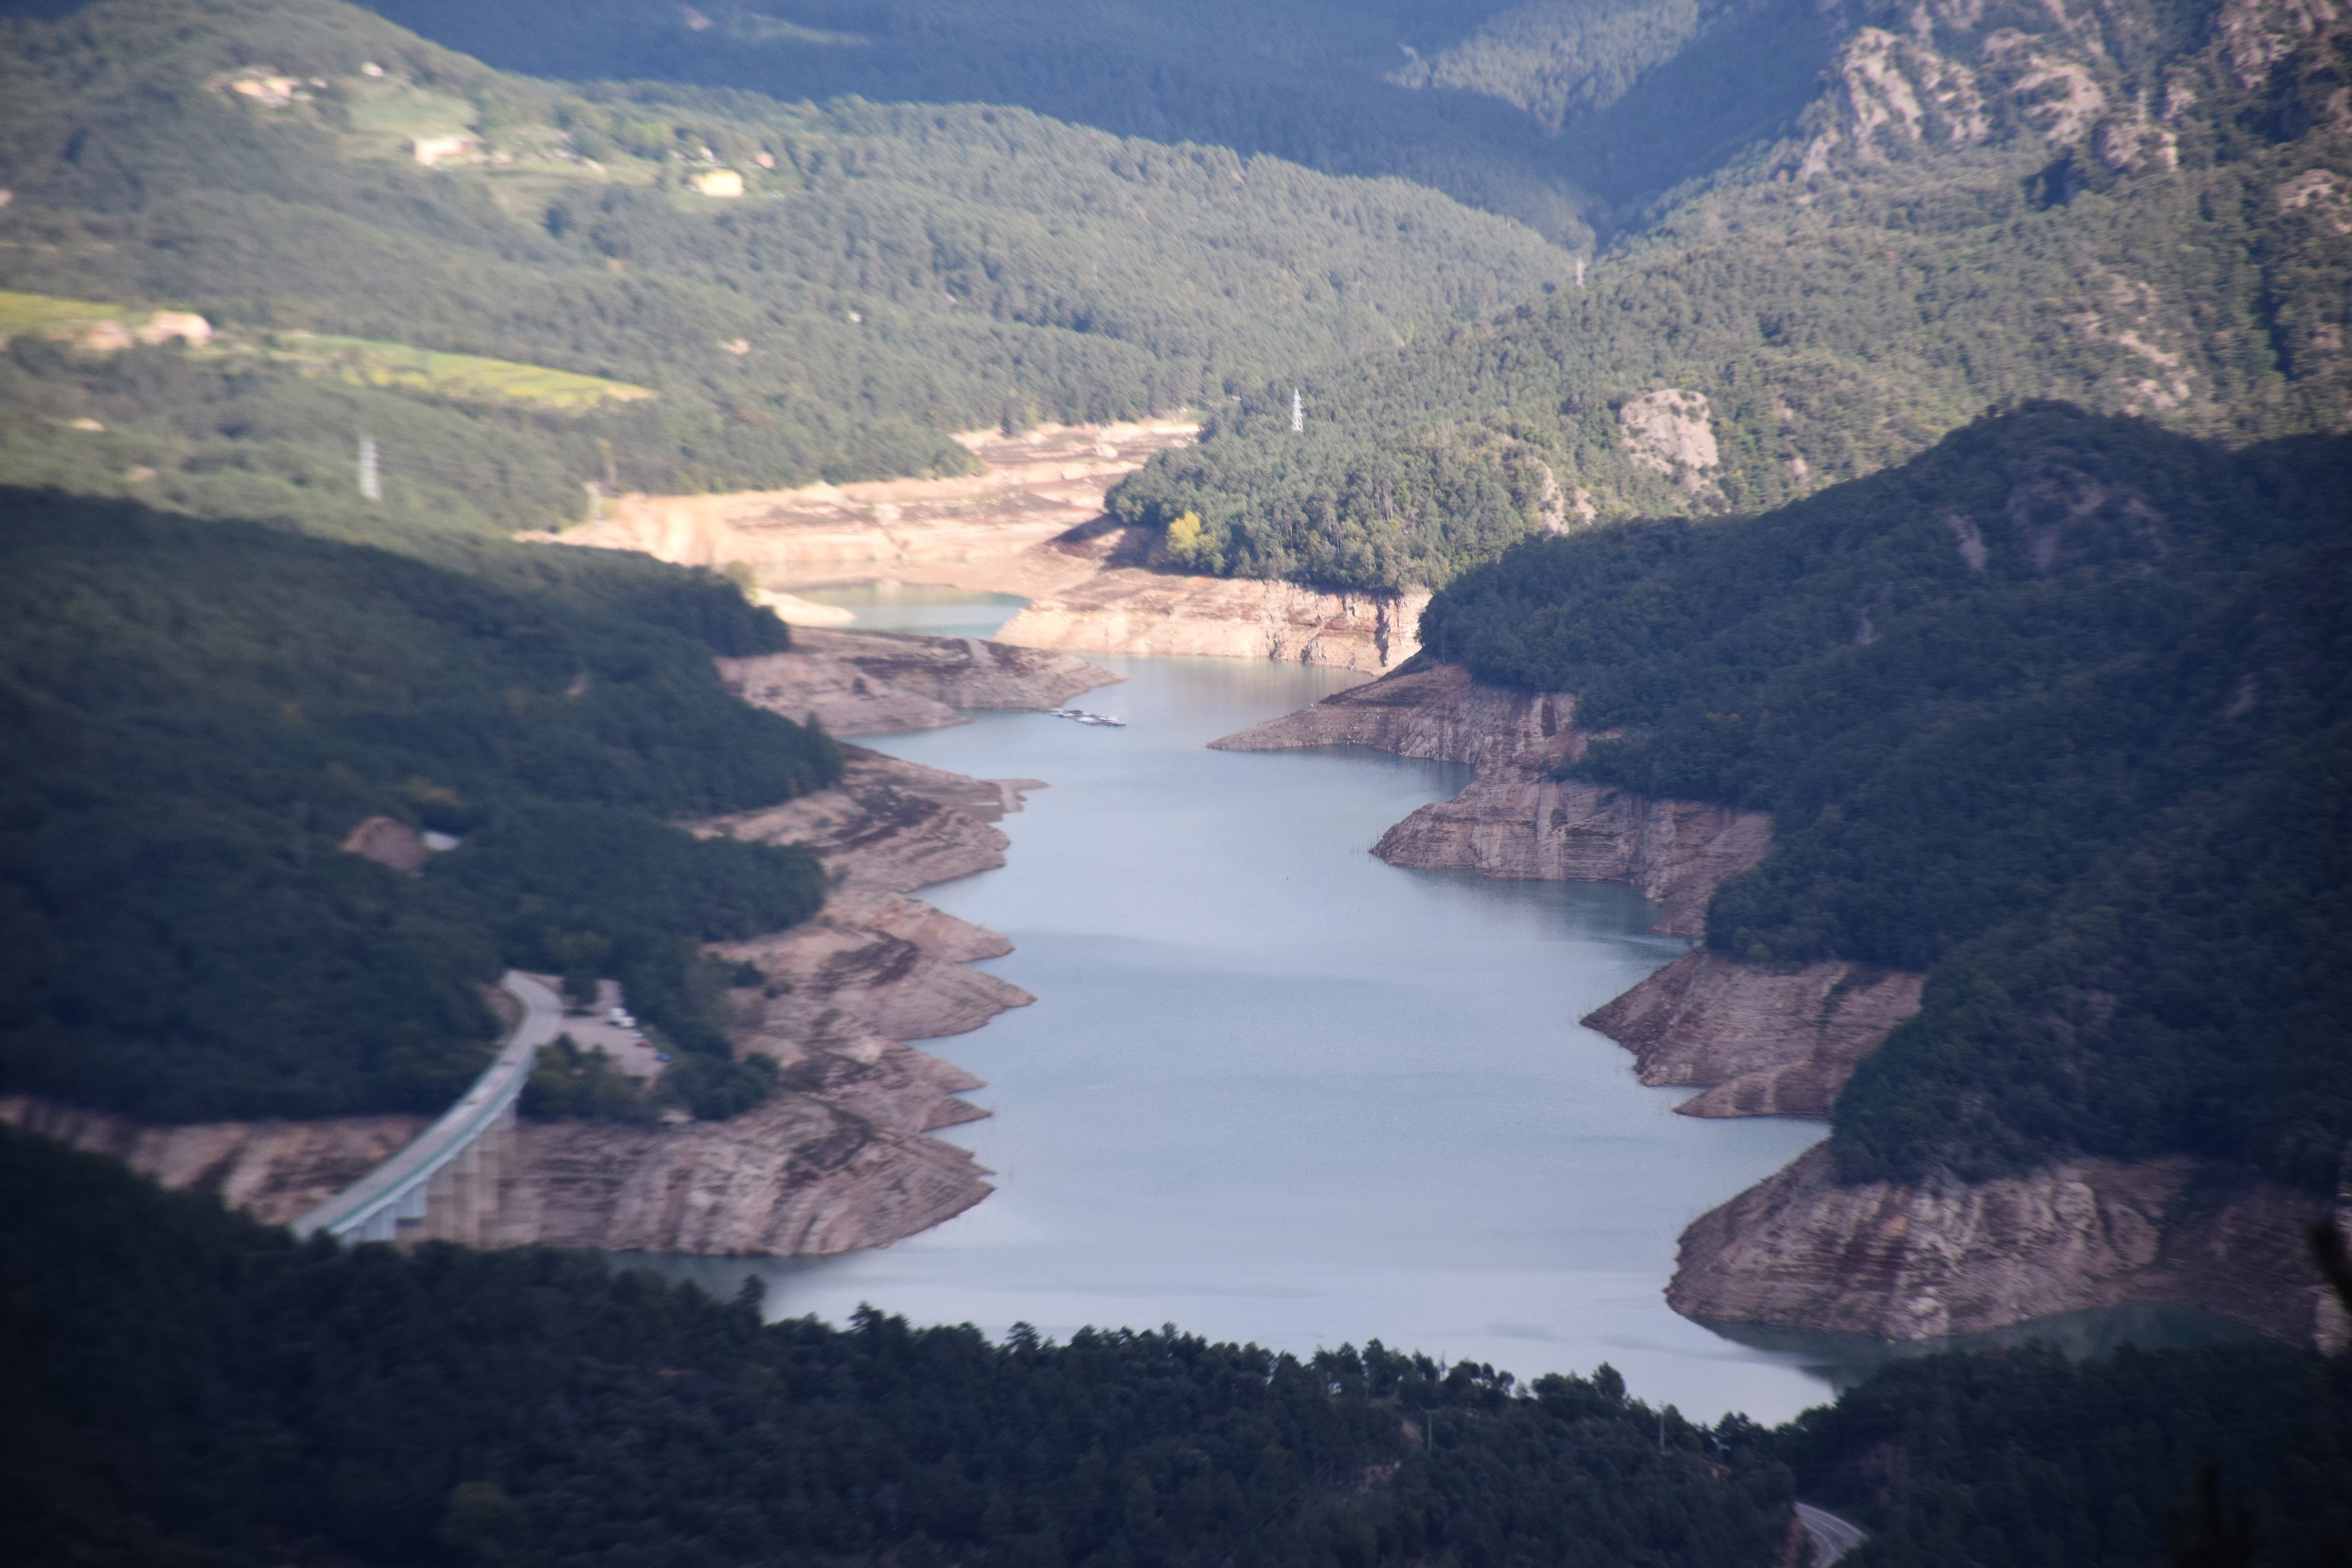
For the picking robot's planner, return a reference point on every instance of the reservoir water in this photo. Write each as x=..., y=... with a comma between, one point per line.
x=1273, y=1090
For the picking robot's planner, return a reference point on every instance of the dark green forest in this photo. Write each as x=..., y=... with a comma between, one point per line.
x=203, y=1391
x=2023, y=1458
x=199, y=713
x=1330, y=84
x=2061, y=713
x=190, y=1388
x=1841, y=297
x=891, y=274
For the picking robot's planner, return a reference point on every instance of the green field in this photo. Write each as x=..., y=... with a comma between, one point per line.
x=19, y=312
x=365, y=362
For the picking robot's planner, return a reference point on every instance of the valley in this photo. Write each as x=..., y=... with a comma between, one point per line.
x=1032, y=524
x=1698, y=916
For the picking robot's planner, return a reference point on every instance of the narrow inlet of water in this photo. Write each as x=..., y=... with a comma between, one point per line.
x=1275, y=1090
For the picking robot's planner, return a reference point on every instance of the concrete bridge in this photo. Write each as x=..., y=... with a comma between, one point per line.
x=445, y=1185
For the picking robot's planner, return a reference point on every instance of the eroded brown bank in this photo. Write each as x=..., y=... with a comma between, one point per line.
x=838, y=1160
x=1031, y=523
x=1896, y=1261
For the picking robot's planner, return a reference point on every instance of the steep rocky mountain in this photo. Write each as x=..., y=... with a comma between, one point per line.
x=2143, y=210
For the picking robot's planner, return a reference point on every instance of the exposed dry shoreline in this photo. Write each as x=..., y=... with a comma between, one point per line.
x=839, y=1159
x=1893, y=1260
x=1031, y=523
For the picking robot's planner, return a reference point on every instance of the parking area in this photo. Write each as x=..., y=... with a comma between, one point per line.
x=625, y=1044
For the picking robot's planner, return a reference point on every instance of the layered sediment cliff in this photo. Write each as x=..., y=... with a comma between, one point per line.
x=1132, y=610
x=1947, y=1256
x=1799, y=1251
x=838, y=1159
x=1760, y=1042
x=1031, y=523
x=1514, y=821
x=273, y=1170
x=869, y=683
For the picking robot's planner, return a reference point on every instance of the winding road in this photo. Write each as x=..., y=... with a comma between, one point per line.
x=371, y=1208
x=1834, y=1536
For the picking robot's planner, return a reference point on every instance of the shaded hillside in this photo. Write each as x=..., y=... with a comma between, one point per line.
x=1656, y=94
x=2059, y=712
x=2023, y=1458
x=2151, y=214
x=885, y=277
x=191, y=1389
x=199, y=714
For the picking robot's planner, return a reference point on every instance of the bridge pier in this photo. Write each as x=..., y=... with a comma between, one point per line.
x=445, y=1185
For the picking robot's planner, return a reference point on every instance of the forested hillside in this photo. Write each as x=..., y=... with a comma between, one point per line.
x=2148, y=215
x=2061, y=713
x=198, y=714
x=1319, y=82
x=885, y=277
x=188, y=1388
x=2022, y=1459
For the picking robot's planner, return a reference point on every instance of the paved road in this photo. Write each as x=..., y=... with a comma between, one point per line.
x=362, y=1209
x=1834, y=1536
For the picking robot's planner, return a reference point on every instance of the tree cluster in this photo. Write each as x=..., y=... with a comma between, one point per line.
x=2057, y=712
x=191, y=1389
x=188, y=1388
x=892, y=275
x=200, y=713
x=1835, y=321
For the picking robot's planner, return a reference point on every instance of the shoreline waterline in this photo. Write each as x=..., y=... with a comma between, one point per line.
x=1274, y=1091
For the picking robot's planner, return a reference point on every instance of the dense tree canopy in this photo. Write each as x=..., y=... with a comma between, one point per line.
x=1840, y=299
x=190, y=1388
x=888, y=276
x=186, y=1387
x=2058, y=712
x=200, y=713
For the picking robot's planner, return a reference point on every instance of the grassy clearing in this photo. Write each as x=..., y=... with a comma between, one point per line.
x=22, y=312
x=468, y=377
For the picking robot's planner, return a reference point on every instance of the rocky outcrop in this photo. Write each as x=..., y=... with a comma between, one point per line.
x=1515, y=820
x=1797, y=1250
x=890, y=826
x=1513, y=824
x=1432, y=711
x=1129, y=609
x=1948, y=1257
x=796, y=1175
x=1762, y=1042
x=1671, y=432
x=273, y=1170
x=870, y=966
x=1032, y=523
x=879, y=683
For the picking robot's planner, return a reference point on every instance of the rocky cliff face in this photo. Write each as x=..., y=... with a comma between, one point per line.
x=1761, y=1042
x=275, y=1171
x=1949, y=1256
x=1033, y=524
x=1799, y=1251
x=1132, y=610
x=1513, y=821
x=1509, y=823
x=869, y=682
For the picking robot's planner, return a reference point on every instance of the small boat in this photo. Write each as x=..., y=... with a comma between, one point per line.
x=1080, y=716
